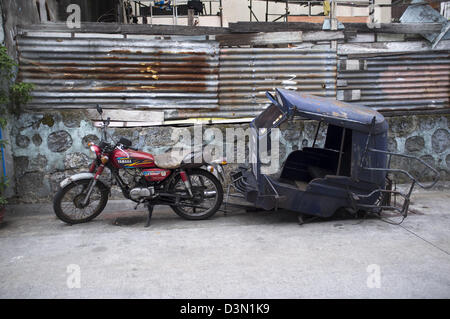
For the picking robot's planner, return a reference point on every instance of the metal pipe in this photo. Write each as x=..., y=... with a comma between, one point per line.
x=221, y=13
x=90, y=189
x=287, y=10
x=176, y=12
x=174, y=19
x=317, y=133
x=341, y=150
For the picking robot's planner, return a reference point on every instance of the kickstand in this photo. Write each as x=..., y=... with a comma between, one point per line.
x=300, y=219
x=149, y=216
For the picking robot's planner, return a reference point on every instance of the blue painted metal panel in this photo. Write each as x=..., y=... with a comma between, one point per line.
x=335, y=112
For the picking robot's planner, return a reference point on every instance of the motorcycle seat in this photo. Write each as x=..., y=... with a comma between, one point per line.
x=168, y=160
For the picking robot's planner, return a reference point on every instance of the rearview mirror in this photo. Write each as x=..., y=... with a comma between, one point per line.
x=99, y=109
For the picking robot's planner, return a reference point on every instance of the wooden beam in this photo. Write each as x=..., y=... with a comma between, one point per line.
x=127, y=124
x=235, y=28
x=92, y=27
x=409, y=28
x=405, y=28
x=388, y=48
x=210, y=120
x=128, y=116
x=279, y=37
x=312, y=36
x=260, y=38
x=190, y=17
x=238, y=27
x=247, y=27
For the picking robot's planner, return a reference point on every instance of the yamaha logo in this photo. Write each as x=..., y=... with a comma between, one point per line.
x=124, y=161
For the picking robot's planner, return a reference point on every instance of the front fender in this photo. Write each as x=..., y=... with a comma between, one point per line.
x=75, y=178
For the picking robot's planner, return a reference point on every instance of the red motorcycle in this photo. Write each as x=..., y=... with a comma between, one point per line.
x=186, y=184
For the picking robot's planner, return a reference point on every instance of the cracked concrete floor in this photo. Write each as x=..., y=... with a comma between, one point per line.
x=242, y=255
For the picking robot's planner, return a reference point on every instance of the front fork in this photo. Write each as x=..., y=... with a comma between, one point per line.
x=94, y=180
x=186, y=181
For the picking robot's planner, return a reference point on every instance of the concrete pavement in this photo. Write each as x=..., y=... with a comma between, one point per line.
x=242, y=255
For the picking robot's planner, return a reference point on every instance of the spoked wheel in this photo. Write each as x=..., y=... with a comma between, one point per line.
x=69, y=203
x=207, y=195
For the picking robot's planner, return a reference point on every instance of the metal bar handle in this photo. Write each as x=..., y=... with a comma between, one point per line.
x=436, y=173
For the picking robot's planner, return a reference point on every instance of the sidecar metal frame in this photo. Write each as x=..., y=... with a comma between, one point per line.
x=351, y=171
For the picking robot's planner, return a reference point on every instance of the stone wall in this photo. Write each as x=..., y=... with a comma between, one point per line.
x=426, y=137
x=49, y=146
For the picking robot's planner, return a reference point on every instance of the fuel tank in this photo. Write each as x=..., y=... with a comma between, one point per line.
x=132, y=159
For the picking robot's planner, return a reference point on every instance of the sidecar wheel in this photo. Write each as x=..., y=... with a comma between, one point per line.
x=68, y=206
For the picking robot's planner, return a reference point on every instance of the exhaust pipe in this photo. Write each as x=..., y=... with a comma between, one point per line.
x=210, y=194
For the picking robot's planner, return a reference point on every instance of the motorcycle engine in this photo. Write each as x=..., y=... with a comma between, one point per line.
x=134, y=178
x=142, y=192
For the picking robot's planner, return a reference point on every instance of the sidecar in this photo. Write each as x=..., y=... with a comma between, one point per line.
x=351, y=170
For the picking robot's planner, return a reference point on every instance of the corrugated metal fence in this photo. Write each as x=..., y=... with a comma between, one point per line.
x=192, y=79
x=119, y=73
x=247, y=73
x=396, y=82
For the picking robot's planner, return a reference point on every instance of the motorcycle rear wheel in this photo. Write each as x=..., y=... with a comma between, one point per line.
x=201, y=181
x=67, y=203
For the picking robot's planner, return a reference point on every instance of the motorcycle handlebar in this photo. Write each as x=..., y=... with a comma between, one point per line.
x=121, y=146
x=105, y=125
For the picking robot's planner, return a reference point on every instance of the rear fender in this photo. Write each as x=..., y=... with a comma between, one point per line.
x=217, y=170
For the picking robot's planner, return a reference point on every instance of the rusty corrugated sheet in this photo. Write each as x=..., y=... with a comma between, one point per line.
x=183, y=78
x=192, y=79
x=247, y=73
x=119, y=73
x=413, y=81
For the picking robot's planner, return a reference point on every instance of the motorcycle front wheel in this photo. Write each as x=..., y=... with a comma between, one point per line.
x=207, y=195
x=69, y=206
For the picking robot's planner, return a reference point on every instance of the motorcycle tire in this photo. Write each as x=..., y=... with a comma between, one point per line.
x=103, y=191
x=210, y=212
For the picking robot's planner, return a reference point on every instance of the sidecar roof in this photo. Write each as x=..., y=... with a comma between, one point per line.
x=332, y=111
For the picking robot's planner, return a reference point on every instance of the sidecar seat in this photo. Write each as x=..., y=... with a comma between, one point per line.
x=319, y=172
